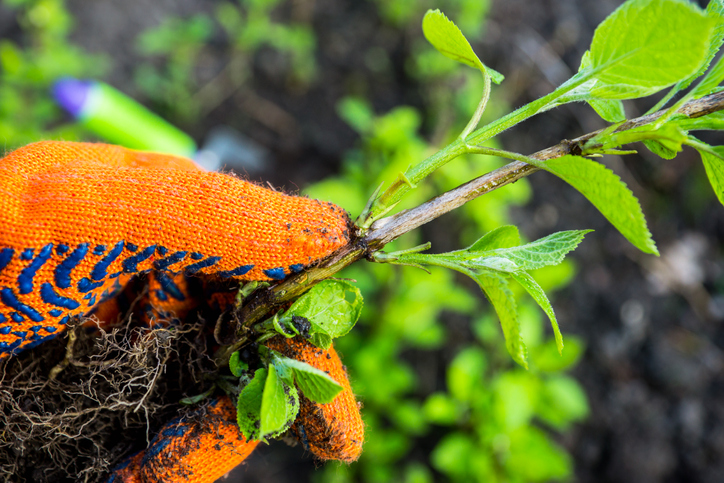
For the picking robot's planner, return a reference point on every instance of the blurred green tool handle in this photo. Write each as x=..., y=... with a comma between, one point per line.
x=119, y=119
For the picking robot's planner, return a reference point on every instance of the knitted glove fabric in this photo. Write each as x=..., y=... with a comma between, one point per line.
x=78, y=221
x=208, y=444
x=75, y=218
x=332, y=431
x=198, y=449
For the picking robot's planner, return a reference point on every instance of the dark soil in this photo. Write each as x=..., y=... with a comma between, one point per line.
x=654, y=367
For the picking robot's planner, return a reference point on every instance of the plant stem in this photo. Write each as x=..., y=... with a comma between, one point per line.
x=525, y=112
x=262, y=302
x=498, y=152
x=480, y=109
x=420, y=171
x=387, y=229
x=664, y=100
x=696, y=144
x=412, y=176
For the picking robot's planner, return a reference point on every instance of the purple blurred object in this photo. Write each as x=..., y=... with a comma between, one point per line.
x=72, y=94
x=119, y=119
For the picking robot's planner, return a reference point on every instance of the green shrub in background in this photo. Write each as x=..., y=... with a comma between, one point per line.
x=177, y=43
x=487, y=419
x=174, y=49
x=28, y=69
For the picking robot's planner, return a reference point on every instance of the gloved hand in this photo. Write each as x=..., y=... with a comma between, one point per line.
x=79, y=220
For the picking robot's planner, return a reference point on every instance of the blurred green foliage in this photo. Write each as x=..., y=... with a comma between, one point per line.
x=488, y=418
x=29, y=67
x=174, y=49
x=428, y=360
x=177, y=43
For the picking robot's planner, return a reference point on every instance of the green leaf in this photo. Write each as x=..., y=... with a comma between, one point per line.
x=447, y=38
x=710, y=122
x=549, y=250
x=332, y=307
x=189, y=401
x=647, y=45
x=536, y=457
x=715, y=10
x=713, y=160
x=535, y=291
x=237, y=366
x=495, y=76
x=465, y=373
x=499, y=264
x=491, y=269
x=500, y=296
x=608, y=193
x=502, y=237
x=547, y=359
x=454, y=448
x=356, y=112
x=563, y=402
x=516, y=395
x=248, y=406
x=439, y=408
x=321, y=340
x=279, y=405
x=713, y=78
x=659, y=149
x=670, y=137
x=315, y=384
x=610, y=110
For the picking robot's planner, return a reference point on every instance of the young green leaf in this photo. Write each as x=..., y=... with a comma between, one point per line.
x=710, y=122
x=670, y=135
x=549, y=250
x=714, y=10
x=713, y=159
x=248, y=406
x=502, y=237
x=535, y=291
x=321, y=339
x=610, y=110
x=490, y=267
x=332, y=307
x=547, y=358
x=710, y=82
x=500, y=296
x=237, y=366
x=714, y=166
x=447, y=38
x=316, y=385
x=498, y=264
x=647, y=45
x=659, y=149
x=665, y=141
x=190, y=401
x=608, y=193
x=563, y=401
x=279, y=405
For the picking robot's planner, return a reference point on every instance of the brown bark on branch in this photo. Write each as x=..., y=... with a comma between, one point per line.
x=387, y=229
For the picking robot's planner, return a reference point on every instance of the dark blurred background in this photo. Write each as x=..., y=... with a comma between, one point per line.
x=339, y=95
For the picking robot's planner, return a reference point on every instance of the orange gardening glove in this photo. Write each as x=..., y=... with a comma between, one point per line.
x=76, y=217
x=205, y=446
x=78, y=220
